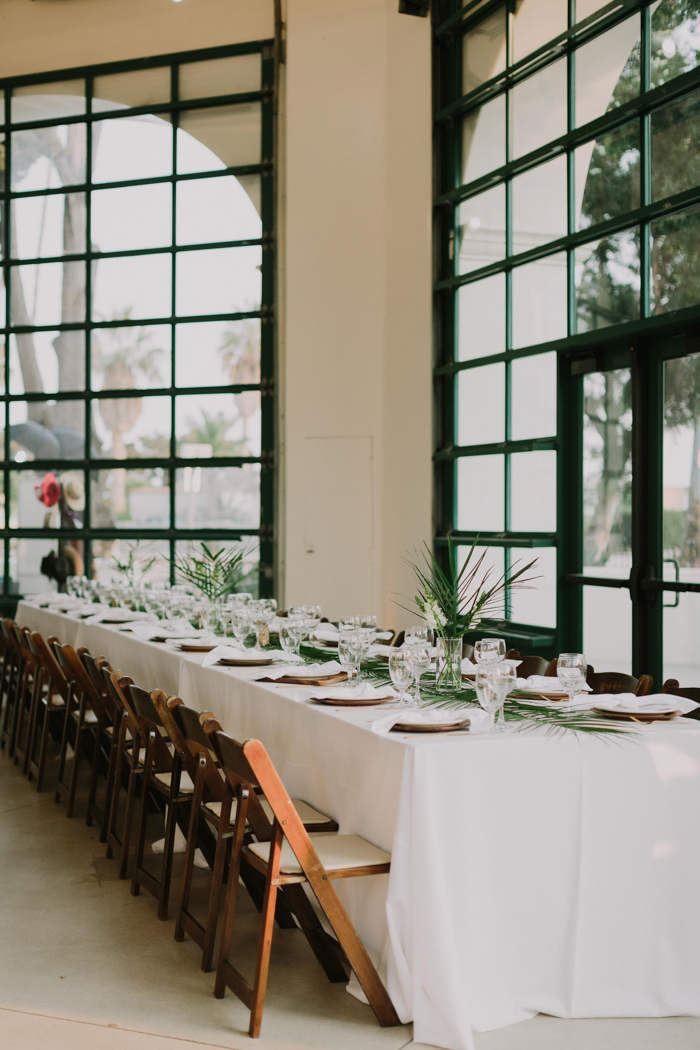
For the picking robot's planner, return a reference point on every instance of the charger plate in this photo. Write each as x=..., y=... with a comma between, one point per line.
x=349, y=702
x=183, y=648
x=434, y=727
x=637, y=716
x=531, y=694
x=228, y=661
x=293, y=679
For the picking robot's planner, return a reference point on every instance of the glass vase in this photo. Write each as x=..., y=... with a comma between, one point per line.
x=449, y=665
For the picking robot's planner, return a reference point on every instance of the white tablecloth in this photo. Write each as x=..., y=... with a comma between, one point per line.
x=530, y=873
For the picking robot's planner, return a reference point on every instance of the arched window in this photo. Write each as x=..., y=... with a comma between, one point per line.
x=568, y=298
x=137, y=240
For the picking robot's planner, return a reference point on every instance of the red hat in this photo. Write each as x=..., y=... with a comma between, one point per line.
x=49, y=490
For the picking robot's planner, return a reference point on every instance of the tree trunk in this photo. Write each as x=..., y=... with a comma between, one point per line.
x=31, y=376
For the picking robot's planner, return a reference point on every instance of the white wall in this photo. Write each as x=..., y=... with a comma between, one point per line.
x=355, y=339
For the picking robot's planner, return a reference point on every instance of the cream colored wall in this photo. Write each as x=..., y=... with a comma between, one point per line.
x=357, y=273
x=355, y=249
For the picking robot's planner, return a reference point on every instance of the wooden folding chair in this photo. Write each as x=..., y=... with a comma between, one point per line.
x=164, y=777
x=31, y=682
x=618, y=682
x=12, y=685
x=84, y=716
x=690, y=692
x=6, y=679
x=289, y=857
x=128, y=757
x=113, y=719
x=212, y=803
x=50, y=707
x=528, y=664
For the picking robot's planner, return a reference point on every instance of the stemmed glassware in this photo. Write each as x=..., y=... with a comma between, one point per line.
x=350, y=645
x=241, y=623
x=401, y=672
x=290, y=636
x=489, y=650
x=571, y=672
x=262, y=614
x=419, y=659
x=493, y=683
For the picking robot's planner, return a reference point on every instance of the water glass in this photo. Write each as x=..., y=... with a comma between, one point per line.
x=350, y=652
x=493, y=683
x=490, y=650
x=571, y=672
x=419, y=657
x=401, y=673
x=290, y=637
x=419, y=634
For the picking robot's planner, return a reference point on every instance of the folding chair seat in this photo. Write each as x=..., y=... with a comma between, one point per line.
x=248, y=767
x=49, y=708
x=212, y=805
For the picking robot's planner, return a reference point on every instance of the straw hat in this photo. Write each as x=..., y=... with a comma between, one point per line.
x=73, y=490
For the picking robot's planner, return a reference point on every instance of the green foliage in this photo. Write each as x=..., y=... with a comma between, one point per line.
x=212, y=430
x=135, y=564
x=455, y=601
x=213, y=574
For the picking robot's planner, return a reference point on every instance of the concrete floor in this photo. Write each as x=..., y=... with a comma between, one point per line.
x=85, y=965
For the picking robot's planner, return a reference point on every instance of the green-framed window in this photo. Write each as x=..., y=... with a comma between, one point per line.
x=138, y=259
x=567, y=231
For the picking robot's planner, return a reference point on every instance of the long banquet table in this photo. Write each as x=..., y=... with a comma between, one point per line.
x=530, y=872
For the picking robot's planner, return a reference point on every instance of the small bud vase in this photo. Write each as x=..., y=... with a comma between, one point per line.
x=448, y=677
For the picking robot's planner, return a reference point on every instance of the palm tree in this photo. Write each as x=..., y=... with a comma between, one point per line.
x=212, y=430
x=240, y=356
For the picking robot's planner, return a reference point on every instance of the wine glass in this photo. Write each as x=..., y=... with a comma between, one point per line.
x=241, y=624
x=290, y=637
x=571, y=672
x=401, y=673
x=350, y=652
x=419, y=657
x=493, y=683
x=489, y=650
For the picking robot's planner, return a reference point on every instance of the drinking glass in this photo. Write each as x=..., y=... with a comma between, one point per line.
x=262, y=613
x=419, y=657
x=241, y=624
x=420, y=633
x=493, y=683
x=290, y=637
x=349, y=623
x=401, y=672
x=350, y=652
x=72, y=586
x=571, y=672
x=489, y=650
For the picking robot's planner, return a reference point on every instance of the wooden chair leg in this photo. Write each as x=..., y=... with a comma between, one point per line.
x=225, y=972
x=134, y=775
x=64, y=748
x=141, y=837
x=93, y=813
x=190, y=849
x=322, y=944
x=43, y=740
x=217, y=881
x=262, y=965
x=166, y=867
x=112, y=839
x=31, y=726
x=110, y=785
x=77, y=756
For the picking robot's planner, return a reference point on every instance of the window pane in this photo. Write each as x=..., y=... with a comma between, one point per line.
x=132, y=427
x=484, y=139
x=539, y=301
x=535, y=602
x=135, y=286
x=218, y=497
x=608, y=281
x=539, y=205
x=481, y=405
x=132, y=148
x=218, y=425
x=218, y=352
x=47, y=361
x=584, y=8
x=607, y=473
x=675, y=40
x=533, y=490
x=132, y=217
x=484, y=51
x=218, y=281
x=681, y=625
x=135, y=357
x=47, y=430
x=105, y=551
x=220, y=76
x=539, y=109
x=536, y=23
x=607, y=176
x=675, y=254
x=218, y=209
x=534, y=396
x=28, y=512
x=607, y=71
x=130, y=499
x=480, y=499
x=482, y=317
x=251, y=563
x=45, y=158
x=25, y=565
x=494, y=562
x=220, y=137
x=607, y=628
x=62, y=98
x=39, y=293
x=140, y=87
x=49, y=226
x=675, y=133
x=482, y=229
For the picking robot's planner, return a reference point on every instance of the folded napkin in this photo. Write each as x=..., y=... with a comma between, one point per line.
x=655, y=703
x=233, y=652
x=364, y=691
x=147, y=631
x=310, y=671
x=539, y=683
x=119, y=615
x=478, y=719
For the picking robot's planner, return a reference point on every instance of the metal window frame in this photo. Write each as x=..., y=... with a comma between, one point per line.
x=644, y=343
x=266, y=169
